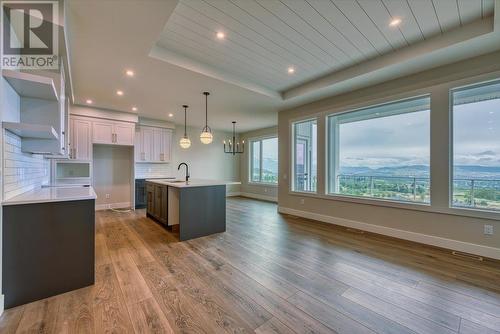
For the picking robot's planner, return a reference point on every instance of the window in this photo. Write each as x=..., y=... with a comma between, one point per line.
x=264, y=160
x=381, y=152
x=476, y=147
x=304, y=156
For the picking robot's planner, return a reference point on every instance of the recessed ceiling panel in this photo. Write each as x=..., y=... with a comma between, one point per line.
x=262, y=39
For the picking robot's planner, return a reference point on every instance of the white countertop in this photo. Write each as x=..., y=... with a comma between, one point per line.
x=192, y=183
x=53, y=194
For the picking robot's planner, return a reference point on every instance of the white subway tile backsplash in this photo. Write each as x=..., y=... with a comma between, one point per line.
x=146, y=170
x=22, y=171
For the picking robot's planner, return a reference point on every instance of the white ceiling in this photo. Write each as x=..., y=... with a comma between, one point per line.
x=316, y=37
x=334, y=45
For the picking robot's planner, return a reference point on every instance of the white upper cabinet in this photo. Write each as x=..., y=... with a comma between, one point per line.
x=102, y=132
x=113, y=132
x=80, y=143
x=124, y=133
x=153, y=144
x=166, y=145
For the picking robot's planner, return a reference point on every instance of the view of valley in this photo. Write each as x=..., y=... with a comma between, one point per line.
x=473, y=186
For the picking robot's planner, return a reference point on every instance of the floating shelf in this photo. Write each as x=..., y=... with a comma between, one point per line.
x=35, y=131
x=31, y=85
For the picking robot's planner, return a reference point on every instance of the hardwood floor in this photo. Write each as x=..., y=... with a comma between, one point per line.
x=267, y=274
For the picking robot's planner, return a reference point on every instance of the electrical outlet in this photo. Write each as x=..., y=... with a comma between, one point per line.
x=285, y=176
x=488, y=229
x=302, y=201
x=108, y=195
x=265, y=190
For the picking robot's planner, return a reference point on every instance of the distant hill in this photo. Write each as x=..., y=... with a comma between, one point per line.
x=466, y=172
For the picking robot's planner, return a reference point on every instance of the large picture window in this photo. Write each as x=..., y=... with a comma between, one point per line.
x=476, y=147
x=264, y=160
x=305, y=156
x=381, y=152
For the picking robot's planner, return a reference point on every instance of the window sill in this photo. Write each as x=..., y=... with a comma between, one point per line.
x=425, y=207
x=262, y=184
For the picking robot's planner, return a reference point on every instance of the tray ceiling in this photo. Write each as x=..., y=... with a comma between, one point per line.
x=263, y=38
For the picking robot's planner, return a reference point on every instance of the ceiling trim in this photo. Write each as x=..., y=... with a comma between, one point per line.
x=176, y=59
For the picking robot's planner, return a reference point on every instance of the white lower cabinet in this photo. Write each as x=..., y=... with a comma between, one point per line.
x=153, y=144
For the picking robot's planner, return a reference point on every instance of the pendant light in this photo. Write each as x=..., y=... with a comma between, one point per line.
x=234, y=146
x=206, y=136
x=185, y=142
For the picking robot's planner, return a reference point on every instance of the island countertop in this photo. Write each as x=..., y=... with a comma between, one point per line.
x=52, y=194
x=192, y=183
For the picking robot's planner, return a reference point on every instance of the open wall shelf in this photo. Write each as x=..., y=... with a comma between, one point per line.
x=31, y=85
x=34, y=131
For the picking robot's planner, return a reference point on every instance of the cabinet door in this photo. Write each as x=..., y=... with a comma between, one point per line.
x=102, y=132
x=124, y=133
x=81, y=143
x=166, y=144
x=147, y=144
x=137, y=145
x=157, y=145
x=157, y=201
x=150, y=198
x=164, y=205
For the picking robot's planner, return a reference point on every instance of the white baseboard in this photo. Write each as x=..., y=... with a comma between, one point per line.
x=466, y=247
x=259, y=196
x=112, y=206
x=233, y=194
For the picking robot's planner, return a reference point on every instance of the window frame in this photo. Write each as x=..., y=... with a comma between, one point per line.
x=251, y=141
x=332, y=153
x=292, y=123
x=481, y=212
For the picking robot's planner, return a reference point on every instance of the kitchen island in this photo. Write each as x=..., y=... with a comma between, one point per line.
x=197, y=207
x=48, y=243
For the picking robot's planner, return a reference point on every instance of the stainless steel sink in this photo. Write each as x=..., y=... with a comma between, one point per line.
x=176, y=181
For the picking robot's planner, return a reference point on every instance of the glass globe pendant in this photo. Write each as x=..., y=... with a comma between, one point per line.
x=206, y=136
x=185, y=142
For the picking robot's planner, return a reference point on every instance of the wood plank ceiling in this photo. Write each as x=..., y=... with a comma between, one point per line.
x=315, y=37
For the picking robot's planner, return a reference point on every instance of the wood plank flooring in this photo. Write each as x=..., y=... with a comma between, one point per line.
x=267, y=274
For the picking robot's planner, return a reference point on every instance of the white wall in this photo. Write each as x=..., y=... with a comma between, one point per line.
x=438, y=224
x=206, y=161
x=112, y=172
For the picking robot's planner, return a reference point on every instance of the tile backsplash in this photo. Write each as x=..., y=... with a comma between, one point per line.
x=145, y=170
x=22, y=171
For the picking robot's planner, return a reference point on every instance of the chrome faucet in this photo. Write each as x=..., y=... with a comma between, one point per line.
x=187, y=170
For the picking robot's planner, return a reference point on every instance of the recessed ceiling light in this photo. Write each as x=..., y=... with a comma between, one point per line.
x=220, y=35
x=291, y=70
x=129, y=73
x=89, y=101
x=170, y=115
x=134, y=108
x=119, y=92
x=395, y=22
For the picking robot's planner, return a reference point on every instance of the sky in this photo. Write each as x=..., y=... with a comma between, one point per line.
x=402, y=140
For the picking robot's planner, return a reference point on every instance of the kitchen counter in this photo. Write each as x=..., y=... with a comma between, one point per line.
x=192, y=183
x=52, y=194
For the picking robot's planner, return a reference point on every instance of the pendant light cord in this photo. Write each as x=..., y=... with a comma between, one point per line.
x=185, y=119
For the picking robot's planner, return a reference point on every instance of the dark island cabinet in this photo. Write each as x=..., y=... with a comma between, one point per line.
x=48, y=249
x=140, y=194
x=157, y=202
